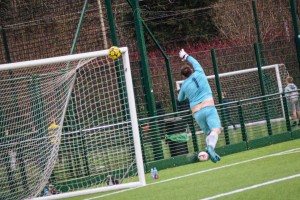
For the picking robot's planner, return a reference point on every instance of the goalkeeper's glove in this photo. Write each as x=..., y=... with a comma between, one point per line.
x=183, y=55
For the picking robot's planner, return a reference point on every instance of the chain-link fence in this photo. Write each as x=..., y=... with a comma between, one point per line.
x=39, y=29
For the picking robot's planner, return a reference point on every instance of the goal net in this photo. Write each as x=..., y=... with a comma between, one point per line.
x=245, y=84
x=68, y=123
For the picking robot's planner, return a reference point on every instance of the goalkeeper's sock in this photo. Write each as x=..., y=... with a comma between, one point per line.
x=212, y=139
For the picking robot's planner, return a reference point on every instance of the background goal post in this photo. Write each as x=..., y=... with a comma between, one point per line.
x=244, y=84
x=68, y=126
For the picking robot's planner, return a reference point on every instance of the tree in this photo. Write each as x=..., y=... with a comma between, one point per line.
x=180, y=20
x=235, y=21
x=4, y=4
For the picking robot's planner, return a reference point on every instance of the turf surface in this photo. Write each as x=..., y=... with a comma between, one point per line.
x=237, y=171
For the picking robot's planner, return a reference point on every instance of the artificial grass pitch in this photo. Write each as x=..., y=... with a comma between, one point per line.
x=236, y=171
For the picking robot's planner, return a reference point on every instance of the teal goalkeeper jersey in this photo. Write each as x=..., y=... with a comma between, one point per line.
x=196, y=87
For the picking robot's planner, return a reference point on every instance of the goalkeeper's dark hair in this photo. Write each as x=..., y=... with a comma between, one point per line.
x=186, y=71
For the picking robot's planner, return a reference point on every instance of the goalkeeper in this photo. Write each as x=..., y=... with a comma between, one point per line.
x=197, y=90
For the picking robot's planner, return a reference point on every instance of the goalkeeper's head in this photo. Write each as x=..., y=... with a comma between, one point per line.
x=186, y=71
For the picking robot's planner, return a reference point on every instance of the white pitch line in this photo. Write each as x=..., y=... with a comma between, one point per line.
x=296, y=150
x=252, y=187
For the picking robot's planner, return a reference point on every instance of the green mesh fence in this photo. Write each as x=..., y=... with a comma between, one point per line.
x=245, y=120
x=42, y=29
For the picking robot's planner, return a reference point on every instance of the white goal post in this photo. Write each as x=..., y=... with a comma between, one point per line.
x=68, y=123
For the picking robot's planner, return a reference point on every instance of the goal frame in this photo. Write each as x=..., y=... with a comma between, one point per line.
x=275, y=66
x=133, y=115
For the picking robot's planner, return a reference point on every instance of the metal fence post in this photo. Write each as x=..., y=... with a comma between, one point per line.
x=219, y=90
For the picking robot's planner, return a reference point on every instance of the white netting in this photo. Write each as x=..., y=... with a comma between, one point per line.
x=31, y=98
x=64, y=127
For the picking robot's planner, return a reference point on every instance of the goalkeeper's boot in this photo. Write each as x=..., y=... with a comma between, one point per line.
x=214, y=157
